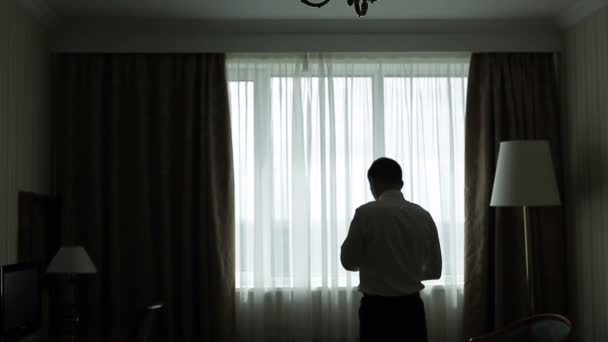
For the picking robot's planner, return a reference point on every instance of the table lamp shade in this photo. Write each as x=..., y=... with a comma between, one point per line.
x=71, y=260
x=525, y=175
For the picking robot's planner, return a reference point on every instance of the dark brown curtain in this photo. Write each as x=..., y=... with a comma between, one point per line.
x=144, y=168
x=510, y=96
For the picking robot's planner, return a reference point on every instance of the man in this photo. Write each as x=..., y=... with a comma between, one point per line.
x=394, y=245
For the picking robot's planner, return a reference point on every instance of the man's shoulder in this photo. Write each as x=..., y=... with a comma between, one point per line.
x=368, y=208
x=420, y=211
x=378, y=207
x=374, y=207
x=418, y=208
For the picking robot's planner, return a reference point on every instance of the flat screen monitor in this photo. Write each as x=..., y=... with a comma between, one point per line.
x=19, y=300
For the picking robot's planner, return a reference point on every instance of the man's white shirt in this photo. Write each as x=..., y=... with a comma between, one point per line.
x=394, y=245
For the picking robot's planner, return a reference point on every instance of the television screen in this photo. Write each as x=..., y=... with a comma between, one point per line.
x=20, y=291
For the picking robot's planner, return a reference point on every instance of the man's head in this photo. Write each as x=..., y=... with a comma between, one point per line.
x=384, y=174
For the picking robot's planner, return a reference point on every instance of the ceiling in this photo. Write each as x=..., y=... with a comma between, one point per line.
x=293, y=9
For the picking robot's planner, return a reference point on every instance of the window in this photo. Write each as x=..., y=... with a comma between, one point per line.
x=305, y=130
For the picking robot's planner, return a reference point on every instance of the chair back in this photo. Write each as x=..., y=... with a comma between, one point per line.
x=145, y=330
x=538, y=328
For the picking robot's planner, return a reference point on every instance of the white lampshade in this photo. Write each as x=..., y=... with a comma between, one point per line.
x=525, y=175
x=71, y=260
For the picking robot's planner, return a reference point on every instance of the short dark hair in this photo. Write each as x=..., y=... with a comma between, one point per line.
x=385, y=169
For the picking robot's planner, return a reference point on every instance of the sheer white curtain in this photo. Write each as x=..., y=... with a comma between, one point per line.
x=305, y=130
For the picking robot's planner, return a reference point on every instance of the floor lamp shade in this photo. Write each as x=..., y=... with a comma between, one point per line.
x=71, y=260
x=525, y=175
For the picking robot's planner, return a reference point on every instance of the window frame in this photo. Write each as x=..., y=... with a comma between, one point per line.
x=378, y=115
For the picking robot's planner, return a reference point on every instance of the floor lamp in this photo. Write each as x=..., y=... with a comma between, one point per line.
x=525, y=177
x=71, y=261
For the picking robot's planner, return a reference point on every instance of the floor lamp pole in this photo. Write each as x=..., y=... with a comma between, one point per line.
x=529, y=263
x=71, y=315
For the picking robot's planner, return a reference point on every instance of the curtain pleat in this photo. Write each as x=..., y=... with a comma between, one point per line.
x=144, y=168
x=510, y=96
x=586, y=163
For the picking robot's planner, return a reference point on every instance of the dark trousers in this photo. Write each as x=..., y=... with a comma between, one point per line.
x=383, y=319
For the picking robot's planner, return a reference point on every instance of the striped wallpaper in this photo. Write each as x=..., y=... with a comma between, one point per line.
x=25, y=134
x=586, y=155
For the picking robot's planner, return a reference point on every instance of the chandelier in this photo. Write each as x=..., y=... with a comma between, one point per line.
x=361, y=6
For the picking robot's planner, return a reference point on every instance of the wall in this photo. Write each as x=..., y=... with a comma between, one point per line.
x=25, y=133
x=585, y=125
x=155, y=35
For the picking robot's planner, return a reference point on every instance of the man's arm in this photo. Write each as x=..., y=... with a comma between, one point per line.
x=351, y=253
x=434, y=264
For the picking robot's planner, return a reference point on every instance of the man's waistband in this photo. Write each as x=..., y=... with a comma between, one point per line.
x=410, y=296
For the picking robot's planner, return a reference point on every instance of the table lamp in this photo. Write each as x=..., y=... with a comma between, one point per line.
x=71, y=261
x=525, y=177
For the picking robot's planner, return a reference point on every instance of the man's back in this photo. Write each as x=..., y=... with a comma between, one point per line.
x=394, y=245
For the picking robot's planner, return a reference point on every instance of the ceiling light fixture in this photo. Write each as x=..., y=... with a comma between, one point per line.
x=361, y=6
